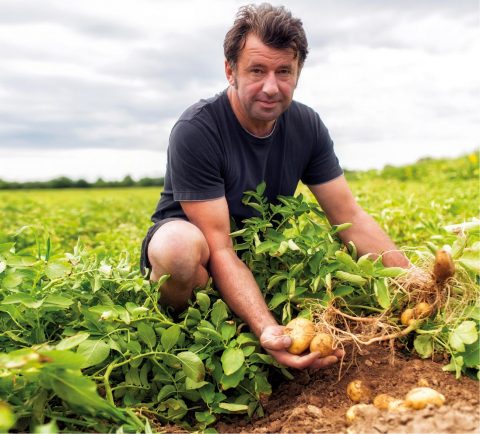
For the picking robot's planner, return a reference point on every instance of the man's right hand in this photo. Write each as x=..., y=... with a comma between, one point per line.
x=275, y=342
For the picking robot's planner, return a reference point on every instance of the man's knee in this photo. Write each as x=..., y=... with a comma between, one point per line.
x=178, y=248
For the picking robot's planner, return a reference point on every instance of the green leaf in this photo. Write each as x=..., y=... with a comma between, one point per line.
x=203, y=301
x=266, y=246
x=78, y=390
x=57, y=301
x=473, y=312
x=350, y=277
x=232, y=359
x=219, y=312
x=275, y=280
x=465, y=333
x=381, y=292
x=192, y=366
x=165, y=392
x=147, y=334
x=339, y=228
x=346, y=260
x=94, y=352
x=192, y=385
x=72, y=341
x=423, y=345
x=228, y=331
x=58, y=268
x=234, y=408
x=390, y=272
x=471, y=356
x=471, y=260
x=343, y=290
x=277, y=299
x=24, y=299
x=455, y=365
x=170, y=337
x=366, y=264
x=12, y=280
x=233, y=380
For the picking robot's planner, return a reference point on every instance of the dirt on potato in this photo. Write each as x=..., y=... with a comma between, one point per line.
x=317, y=401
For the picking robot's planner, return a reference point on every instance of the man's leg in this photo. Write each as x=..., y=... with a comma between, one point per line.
x=179, y=248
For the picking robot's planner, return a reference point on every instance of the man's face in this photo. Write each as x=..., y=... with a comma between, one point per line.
x=264, y=81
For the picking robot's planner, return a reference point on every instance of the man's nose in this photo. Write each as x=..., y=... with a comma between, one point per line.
x=270, y=86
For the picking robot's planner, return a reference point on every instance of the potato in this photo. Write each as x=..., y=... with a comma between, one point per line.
x=444, y=266
x=422, y=310
x=407, y=317
x=397, y=406
x=322, y=343
x=358, y=391
x=301, y=331
x=420, y=397
x=355, y=412
x=382, y=401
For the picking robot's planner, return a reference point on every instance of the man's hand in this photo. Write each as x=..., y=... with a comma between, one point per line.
x=275, y=342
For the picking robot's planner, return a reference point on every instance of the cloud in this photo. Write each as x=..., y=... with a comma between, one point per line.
x=116, y=74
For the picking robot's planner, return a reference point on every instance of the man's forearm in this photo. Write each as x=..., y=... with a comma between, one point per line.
x=240, y=290
x=369, y=237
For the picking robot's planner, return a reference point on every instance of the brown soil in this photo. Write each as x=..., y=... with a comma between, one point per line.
x=317, y=401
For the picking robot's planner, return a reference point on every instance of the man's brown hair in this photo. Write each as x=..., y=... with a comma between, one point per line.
x=274, y=25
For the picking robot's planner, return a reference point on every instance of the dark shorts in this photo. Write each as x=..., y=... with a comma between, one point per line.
x=145, y=266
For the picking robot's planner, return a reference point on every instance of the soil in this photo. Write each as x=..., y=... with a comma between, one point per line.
x=316, y=402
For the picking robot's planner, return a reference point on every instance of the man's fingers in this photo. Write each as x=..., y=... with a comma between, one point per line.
x=272, y=342
x=324, y=362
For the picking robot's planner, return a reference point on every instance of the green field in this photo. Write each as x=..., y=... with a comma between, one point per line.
x=84, y=342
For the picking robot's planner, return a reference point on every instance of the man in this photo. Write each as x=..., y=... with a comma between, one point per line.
x=223, y=146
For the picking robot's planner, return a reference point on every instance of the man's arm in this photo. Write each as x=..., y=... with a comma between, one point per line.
x=338, y=203
x=238, y=286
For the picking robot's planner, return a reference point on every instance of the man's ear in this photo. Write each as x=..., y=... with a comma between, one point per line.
x=229, y=73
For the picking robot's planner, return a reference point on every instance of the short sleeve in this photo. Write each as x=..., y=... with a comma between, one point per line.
x=323, y=165
x=195, y=162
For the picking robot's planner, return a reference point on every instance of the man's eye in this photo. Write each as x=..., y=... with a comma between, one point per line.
x=256, y=71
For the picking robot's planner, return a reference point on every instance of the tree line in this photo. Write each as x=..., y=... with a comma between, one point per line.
x=65, y=182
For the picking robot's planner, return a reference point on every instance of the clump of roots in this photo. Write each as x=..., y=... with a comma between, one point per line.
x=446, y=297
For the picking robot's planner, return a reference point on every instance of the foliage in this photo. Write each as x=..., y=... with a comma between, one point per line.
x=85, y=346
x=299, y=264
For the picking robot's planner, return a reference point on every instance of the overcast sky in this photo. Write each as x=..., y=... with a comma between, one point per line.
x=92, y=88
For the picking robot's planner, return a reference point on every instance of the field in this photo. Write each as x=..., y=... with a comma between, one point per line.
x=85, y=346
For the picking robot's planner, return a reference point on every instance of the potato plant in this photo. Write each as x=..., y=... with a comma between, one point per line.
x=84, y=342
x=84, y=345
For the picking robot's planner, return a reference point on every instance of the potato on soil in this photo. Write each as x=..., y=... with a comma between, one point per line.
x=422, y=310
x=407, y=317
x=301, y=331
x=382, y=401
x=444, y=266
x=322, y=343
x=420, y=397
x=397, y=406
x=355, y=412
x=358, y=391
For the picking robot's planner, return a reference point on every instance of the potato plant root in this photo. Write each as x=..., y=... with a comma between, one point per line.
x=317, y=401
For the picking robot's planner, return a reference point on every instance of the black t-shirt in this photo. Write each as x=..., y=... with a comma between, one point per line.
x=210, y=155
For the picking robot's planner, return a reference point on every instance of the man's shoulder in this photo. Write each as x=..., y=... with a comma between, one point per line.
x=298, y=109
x=203, y=108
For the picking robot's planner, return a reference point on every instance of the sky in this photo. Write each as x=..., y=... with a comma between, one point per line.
x=92, y=89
